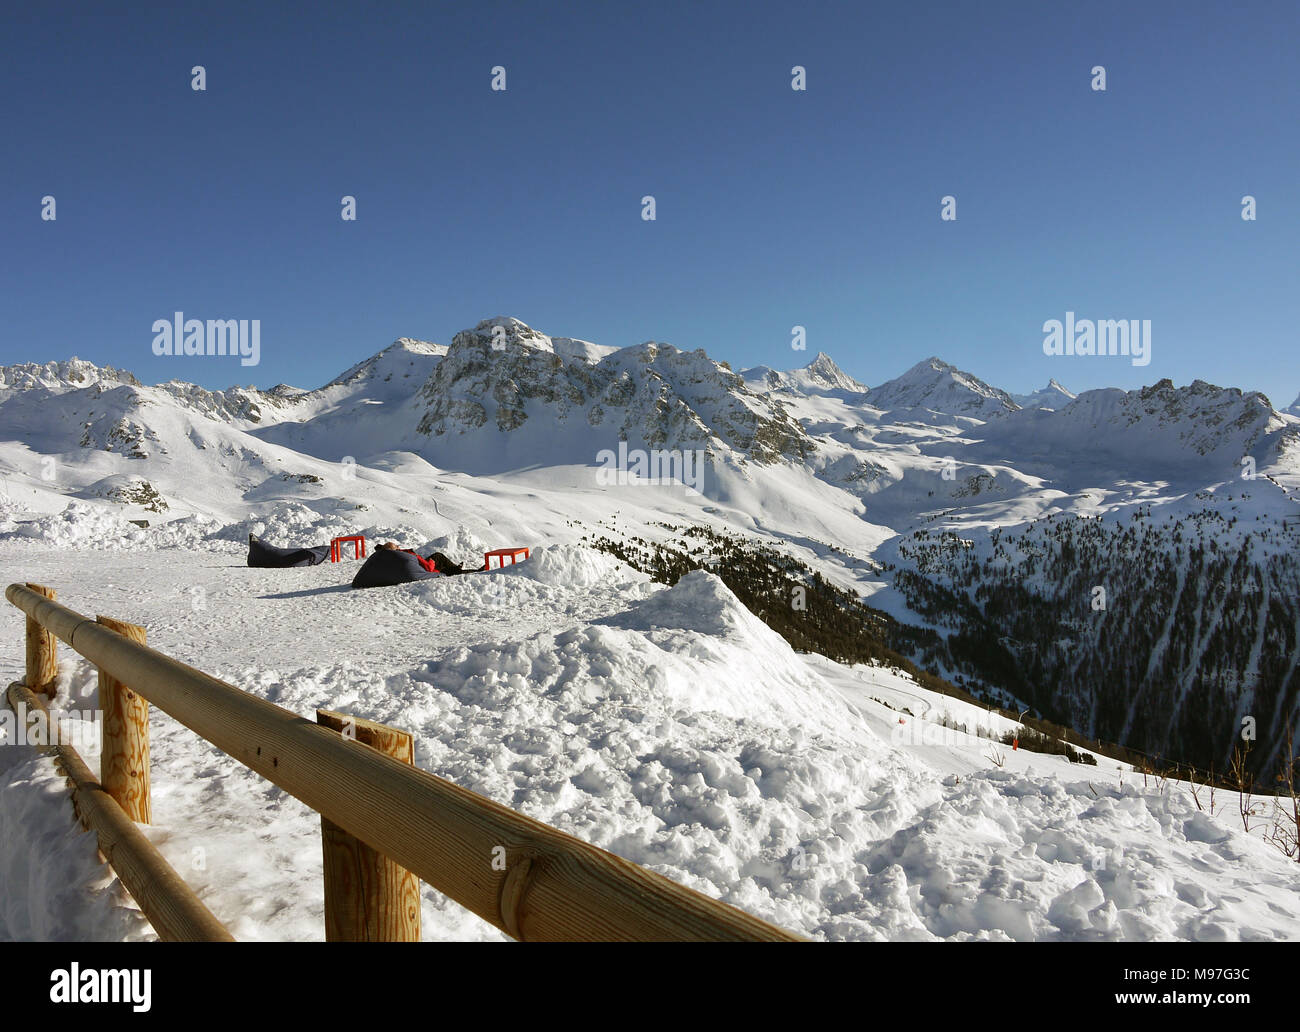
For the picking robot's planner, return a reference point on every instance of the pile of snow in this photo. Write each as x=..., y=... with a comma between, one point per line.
x=9, y=513
x=754, y=672
x=670, y=746
x=565, y=580
x=573, y=566
x=91, y=526
x=80, y=526
x=189, y=533
x=699, y=602
x=292, y=524
x=462, y=546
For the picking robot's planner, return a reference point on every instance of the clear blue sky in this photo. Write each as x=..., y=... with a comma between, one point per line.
x=775, y=207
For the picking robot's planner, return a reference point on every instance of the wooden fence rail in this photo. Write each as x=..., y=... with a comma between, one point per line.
x=528, y=879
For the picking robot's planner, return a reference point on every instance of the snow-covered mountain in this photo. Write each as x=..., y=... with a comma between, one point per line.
x=60, y=376
x=935, y=385
x=500, y=433
x=819, y=376
x=500, y=375
x=1052, y=396
x=1183, y=432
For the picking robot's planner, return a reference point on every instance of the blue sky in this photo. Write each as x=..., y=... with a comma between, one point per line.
x=775, y=208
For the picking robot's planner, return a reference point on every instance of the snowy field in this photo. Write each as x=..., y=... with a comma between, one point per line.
x=667, y=725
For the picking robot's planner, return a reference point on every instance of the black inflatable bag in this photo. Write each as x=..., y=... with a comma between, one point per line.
x=387, y=567
x=265, y=556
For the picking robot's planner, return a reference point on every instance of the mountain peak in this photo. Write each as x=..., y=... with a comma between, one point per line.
x=417, y=347
x=513, y=327
x=403, y=352
x=72, y=374
x=940, y=386
x=501, y=332
x=1053, y=396
x=820, y=375
x=822, y=371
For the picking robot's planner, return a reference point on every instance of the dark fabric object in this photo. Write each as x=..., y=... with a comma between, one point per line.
x=425, y=564
x=265, y=556
x=444, y=565
x=387, y=566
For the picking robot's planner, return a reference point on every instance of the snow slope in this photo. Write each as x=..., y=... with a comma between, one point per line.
x=668, y=725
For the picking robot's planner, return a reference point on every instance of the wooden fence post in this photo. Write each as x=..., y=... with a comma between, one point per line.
x=368, y=898
x=124, y=763
x=42, y=652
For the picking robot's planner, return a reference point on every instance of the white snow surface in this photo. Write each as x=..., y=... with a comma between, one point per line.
x=668, y=725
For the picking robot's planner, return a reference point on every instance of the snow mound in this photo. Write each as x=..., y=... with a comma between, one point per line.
x=462, y=545
x=575, y=567
x=706, y=757
x=292, y=524
x=192, y=532
x=577, y=582
x=80, y=526
x=9, y=513
x=91, y=526
x=699, y=602
x=752, y=673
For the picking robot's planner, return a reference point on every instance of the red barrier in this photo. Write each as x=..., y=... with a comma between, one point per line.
x=501, y=554
x=358, y=547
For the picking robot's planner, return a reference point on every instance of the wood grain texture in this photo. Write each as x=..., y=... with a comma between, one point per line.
x=368, y=897
x=447, y=835
x=124, y=761
x=42, y=652
x=171, y=906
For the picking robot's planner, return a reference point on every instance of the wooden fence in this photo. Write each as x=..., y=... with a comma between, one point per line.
x=385, y=823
